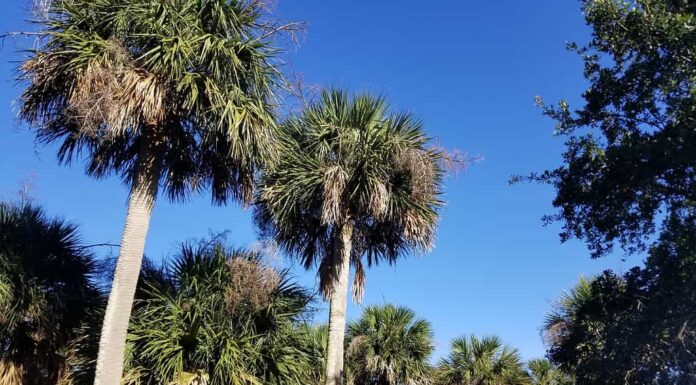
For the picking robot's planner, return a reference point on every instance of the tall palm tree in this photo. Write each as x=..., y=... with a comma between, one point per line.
x=46, y=296
x=542, y=372
x=388, y=345
x=355, y=184
x=218, y=316
x=169, y=95
x=484, y=361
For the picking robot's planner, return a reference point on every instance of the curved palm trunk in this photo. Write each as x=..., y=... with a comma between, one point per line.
x=112, y=341
x=337, y=308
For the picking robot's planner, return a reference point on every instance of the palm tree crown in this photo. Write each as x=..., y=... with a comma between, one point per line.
x=388, y=345
x=184, y=87
x=351, y=161
x=220, y=316
x=561, y=319
x=175, y=94
x=484, y=361
x=542, y=372
x=46, y=295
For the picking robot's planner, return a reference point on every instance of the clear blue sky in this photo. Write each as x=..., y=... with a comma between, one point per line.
x=470, y=70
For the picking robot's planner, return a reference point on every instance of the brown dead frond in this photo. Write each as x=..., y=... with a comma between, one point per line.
x=11, y=373
x=251, y=284
x=419, y=230
x=379, y=199
x=115, y=96
x=334, y=187
x=554, y=333
x=355, y=346
x=358, y=281
x=455, y=161
x=420, y=166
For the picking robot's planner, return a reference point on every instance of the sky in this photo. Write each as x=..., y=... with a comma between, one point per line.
x=470, y=70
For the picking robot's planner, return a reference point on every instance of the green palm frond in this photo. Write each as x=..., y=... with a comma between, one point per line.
x=568, y=305
x=484, y=361
x=193, y=81
x=351, y=159
x=542, y=372
x=47, y=294
x=388, y=345
x=184, y=323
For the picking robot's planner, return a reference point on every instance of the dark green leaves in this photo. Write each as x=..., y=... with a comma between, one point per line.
x=631, y=149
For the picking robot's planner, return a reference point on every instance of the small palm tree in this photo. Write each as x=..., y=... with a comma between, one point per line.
x=388, y=345
x=46, y=296
x=355, y=185
x=172, y=96
x=317, y=340
x=542, y=372
x=561, y=319
x=217, y=316
x=484, y=361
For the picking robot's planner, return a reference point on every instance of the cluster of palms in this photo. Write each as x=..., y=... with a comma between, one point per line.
x=210, y=314
x=181, y=96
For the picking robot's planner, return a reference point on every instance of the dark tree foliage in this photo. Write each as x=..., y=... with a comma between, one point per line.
x=630, y=158
x=639, y=328
x=48, y=299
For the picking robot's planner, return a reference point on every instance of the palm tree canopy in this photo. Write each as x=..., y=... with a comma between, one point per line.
x=350, y=159
x=317, y=340
x=193, y=80
x=388, y=345
x=481, y=361
x=219, y=314
x=566, y=309
x=543, y=372
x=46, y=294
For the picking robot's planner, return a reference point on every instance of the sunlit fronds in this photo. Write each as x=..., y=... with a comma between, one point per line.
x=219, y=315
x=388, y=345
x=193, y=82
x=484, y=361
x=351, y=159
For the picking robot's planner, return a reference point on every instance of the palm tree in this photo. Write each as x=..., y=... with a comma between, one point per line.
x=388, y=345
x=355, y=184
x=562, y=318
x=484, y=361
x=172, y=94
x=317, y=340
x=46, y=296
x=218, y=316
x=541, y=372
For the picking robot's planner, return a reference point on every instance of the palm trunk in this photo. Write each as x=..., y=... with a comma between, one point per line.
x=112, y=341
x=337, y=308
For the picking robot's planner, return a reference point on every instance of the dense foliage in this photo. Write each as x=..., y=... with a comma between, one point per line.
x=388, y=345
x=630, y=159
x=221, y=316
x=637, y=328
x=183, y=88
x=47, y=298
x=481, y=361
x=542, y=372
x=350, y=160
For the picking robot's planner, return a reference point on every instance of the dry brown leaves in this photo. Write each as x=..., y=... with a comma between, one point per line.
x=251, y=284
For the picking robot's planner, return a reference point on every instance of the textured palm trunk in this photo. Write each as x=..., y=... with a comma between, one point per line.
x=112, y=341
x=337, y=308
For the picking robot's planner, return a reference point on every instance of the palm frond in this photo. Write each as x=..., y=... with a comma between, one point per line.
x=351, y=159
